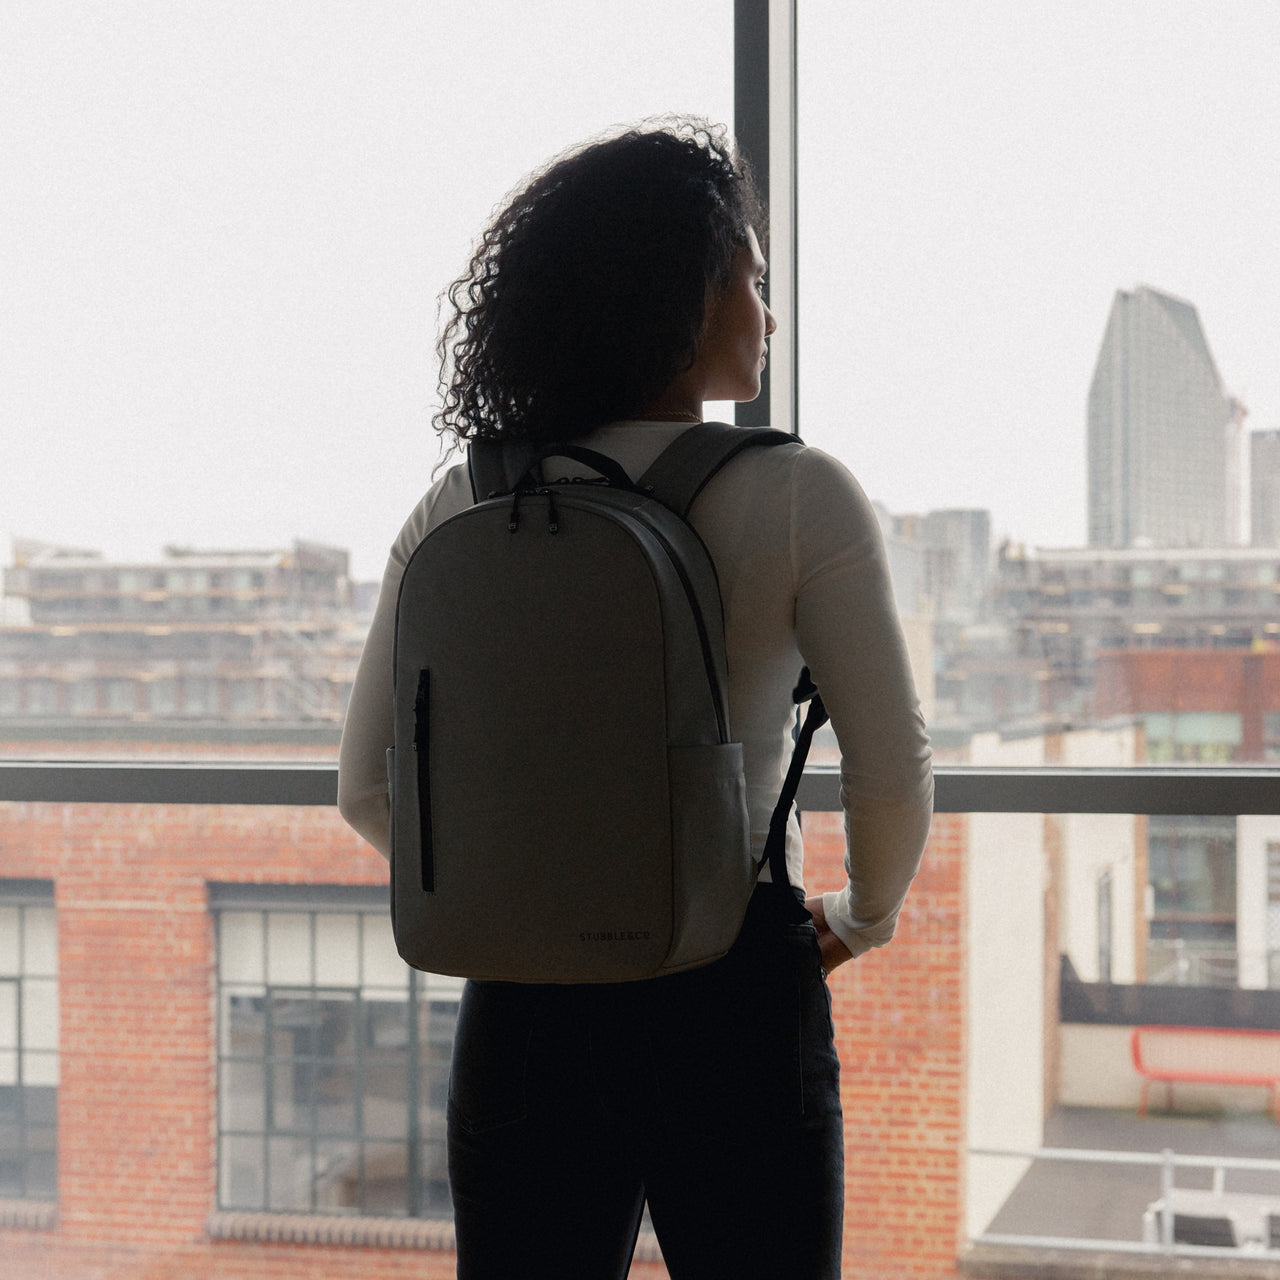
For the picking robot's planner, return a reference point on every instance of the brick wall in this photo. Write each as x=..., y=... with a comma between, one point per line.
x=899, y=1015
x=137, y=1172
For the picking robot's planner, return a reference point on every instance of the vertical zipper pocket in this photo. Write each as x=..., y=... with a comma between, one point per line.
x=421, y=743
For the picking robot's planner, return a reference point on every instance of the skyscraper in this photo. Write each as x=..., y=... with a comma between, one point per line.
x=1264, y=488
x=1158, y=430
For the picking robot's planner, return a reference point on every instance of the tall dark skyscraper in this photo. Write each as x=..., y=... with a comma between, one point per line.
x=1158, y=431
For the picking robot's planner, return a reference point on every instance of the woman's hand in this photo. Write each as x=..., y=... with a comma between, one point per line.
x=834, y=952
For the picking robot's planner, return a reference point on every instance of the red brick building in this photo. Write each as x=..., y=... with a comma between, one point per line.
x=205, y=1126
x=1197, y=705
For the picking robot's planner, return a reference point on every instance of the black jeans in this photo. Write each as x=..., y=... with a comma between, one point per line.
x=713, y=1094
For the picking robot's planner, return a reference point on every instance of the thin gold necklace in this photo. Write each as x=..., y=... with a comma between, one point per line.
x=681, y=415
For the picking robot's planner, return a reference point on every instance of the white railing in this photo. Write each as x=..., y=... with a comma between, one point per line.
x=1252, y=1219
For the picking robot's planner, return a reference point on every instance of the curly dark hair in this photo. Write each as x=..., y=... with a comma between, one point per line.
x=587, y=294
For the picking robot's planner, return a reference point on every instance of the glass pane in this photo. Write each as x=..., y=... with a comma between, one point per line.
x=12, y=1168
x=437, y=1021
x=293, y=1029
x=386, y=1100
x=42, y=1164
x=386, y=1026
x=40, y=1013
x=39, y=941
x=335, y=1013
x=289, y=1174
x=337, y=949
x=291, y=1082
x=242, y=1100
x=370, y=178
x=337, y=1176
x=240, y=946
x=289, y=948
x=382, y=964
x=8, y=1015
x=10, y=961
x=434, y=1179
x=1049, y=285
x=8, y=1068
x=336, y=1090
x=241, y=1173
x=386, y=1167
x=40, y=1068
x=41, y=1106
x=244, y=1022
x=433, y=1089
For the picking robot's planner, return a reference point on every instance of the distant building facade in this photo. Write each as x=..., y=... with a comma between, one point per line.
x=1159, y=430
x=1053, y=612
x=1264, y=488
x=197, y=638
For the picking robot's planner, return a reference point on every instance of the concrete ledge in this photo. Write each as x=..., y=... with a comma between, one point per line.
x=29, y=1215
x=309, y=1228
x=1002, y=1262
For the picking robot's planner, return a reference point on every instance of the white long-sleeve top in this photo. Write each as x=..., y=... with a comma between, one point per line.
x=804, y=582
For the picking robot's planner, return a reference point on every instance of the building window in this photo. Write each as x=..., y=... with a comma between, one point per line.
x=243, y=697
x=28, y=1041
x=199, y=696
x=1273, y=913
x=84, y=698
x=162, y=697
x=1271, y=735
x=120, y=697
x=1192, y=866
x=42, y=697
x=1104, y=927
x=1194, y=737
x=333, y=1059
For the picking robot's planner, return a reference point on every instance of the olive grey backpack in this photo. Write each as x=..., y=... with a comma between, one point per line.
x=567, y=800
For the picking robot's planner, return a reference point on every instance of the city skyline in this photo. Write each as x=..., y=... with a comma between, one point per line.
x=226, y=240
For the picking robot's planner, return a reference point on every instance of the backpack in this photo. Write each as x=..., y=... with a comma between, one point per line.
x=567, y=801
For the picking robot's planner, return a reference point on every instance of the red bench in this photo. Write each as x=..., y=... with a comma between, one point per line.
x=1206, y=1055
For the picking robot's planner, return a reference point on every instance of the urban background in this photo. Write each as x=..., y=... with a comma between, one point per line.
x=212, y=1063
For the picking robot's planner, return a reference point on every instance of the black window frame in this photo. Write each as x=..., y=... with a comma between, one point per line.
x=431, y=1004
x=28, y=1111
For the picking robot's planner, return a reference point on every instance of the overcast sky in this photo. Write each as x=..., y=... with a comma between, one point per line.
x=224, y=226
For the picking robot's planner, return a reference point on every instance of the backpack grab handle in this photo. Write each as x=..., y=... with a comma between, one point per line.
x=599, y=462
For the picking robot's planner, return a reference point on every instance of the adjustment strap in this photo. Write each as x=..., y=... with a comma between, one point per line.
x=775, y=846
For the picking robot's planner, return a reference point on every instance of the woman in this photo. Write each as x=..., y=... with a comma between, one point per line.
x=614, y=294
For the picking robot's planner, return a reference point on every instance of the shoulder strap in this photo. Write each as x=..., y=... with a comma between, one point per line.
x=683, y=468
x=677, y=476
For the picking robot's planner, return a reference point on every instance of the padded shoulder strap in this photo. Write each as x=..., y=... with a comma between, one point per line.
x=683, y=468
x=494, y=466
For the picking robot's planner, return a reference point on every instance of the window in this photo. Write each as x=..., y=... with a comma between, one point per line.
x=42, y=697
x=200, y=696
x=243, y=697
x=28, y=1041
x=162, y=697
x=1273, y=913
x=1104, y=927
x=84, y=698
x=1202, y=737
x=333, y=1060
x=1192, y=868
x=119, y=697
